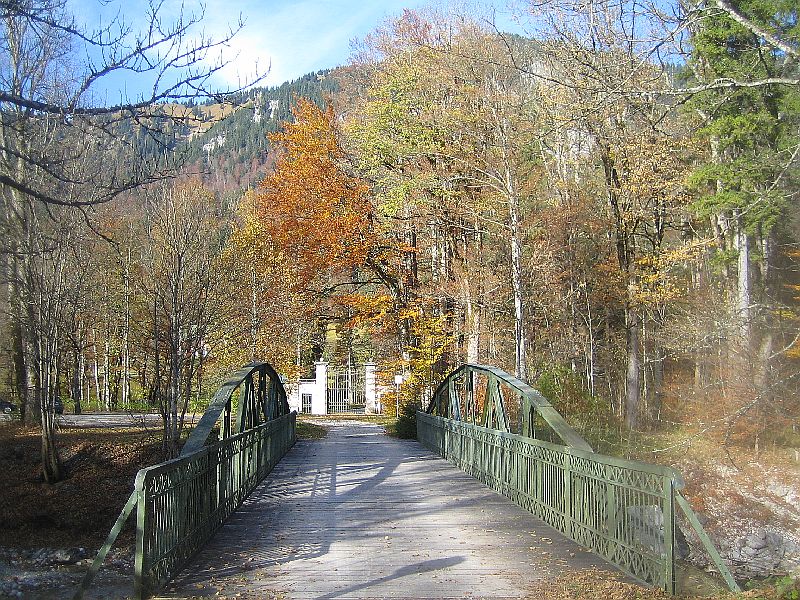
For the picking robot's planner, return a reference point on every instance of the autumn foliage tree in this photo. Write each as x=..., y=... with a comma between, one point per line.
x=311, y=208
x=317, y=217
x=268, y=315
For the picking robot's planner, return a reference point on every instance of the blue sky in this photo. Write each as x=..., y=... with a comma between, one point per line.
x=290, y=37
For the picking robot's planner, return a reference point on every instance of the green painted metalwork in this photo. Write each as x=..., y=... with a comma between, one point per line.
x=181, y=503
x=707, y=543
x=262, y=398
x=101, y=555
x=623, y=510
x=615, y=507
x=455, y=398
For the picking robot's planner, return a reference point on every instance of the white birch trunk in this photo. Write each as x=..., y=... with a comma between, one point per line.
x=106, y=376
x=126, y=356
x=743, y=296
x=520, y=342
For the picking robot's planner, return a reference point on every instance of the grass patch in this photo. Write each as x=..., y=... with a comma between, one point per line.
x=383, y=420
x=307, y=430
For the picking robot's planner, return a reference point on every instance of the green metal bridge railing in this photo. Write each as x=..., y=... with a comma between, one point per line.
x=181, y=503
x=622, y=510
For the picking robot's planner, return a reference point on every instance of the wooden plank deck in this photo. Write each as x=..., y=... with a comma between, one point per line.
x=362, y=515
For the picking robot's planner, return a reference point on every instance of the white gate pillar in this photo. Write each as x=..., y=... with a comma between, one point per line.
x=319, y=399
x=370, y=395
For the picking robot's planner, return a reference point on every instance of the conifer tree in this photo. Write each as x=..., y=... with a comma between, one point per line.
x=745, y=185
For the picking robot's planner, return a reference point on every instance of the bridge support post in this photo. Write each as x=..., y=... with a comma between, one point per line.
x=370, y=392
x=319, y=399
x=141, y=565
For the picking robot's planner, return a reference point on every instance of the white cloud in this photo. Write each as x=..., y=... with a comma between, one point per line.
x=295, y=37
x=291, y=38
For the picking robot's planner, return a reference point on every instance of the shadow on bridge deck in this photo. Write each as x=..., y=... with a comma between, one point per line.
x=362, y=515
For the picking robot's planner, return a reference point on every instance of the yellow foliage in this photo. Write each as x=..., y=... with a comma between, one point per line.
x=658, y=274
x=366, y=308
x=431, y=341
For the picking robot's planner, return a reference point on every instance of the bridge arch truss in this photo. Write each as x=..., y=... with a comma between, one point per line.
x=487, y=422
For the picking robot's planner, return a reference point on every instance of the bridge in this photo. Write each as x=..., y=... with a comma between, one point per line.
x=519, y=497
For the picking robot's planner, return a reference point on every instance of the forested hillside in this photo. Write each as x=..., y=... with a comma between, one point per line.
x=226, y=142
x=607, y=210
x=236, y=141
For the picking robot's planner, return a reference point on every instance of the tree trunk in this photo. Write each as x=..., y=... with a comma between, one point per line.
x=106, y=375
x=126, y=353
x=30, y=396
x=254, y=312
x=176, y=344
x=590, y=354
x=52, y=470
x=33, y=400
x=77, y=380
x=96, y=372
x=520, y=356
x=744, y=295
x=20, y=371
x=472, y=319
x=174, y=400
x=653, y=380
x=633, y=370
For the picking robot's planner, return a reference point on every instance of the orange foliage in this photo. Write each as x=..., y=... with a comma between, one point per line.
x=311, y=208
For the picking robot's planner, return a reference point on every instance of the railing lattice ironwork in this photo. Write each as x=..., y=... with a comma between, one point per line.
x=485, y=422
x=592, y=499
x=180, y=503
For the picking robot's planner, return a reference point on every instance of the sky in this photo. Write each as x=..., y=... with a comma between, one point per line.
x=289, y=38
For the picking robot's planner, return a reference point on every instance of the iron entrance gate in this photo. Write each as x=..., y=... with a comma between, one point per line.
x=306, y=401
x=346, y=390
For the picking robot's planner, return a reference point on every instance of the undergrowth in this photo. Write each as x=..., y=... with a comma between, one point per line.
x=405, y=426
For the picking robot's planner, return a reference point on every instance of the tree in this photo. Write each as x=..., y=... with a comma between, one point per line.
x=746, y=181
x=267, y=306
x=312, y=208
x=319, y=223
x=635, y=146
x=61, y=146
x=446, y=134
x=59, y=132
x=49, y=283
x=181, y=265
x=462, y=113
x=742, y=85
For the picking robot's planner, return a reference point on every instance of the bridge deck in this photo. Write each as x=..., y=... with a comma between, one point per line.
x=362, y=515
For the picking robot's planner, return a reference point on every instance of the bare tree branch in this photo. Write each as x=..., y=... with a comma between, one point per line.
x=761, y=32
x=730, y=84
x=57, y=134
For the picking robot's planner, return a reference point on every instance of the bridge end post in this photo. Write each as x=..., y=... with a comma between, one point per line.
x=370, y=389
x=140, y=591
x=669, y=535
x=567, y=502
